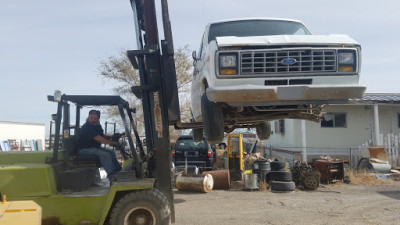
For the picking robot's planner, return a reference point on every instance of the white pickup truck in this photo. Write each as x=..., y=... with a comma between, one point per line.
x=251, y=71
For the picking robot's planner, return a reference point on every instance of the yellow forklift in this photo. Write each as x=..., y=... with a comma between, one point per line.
x=234, y=155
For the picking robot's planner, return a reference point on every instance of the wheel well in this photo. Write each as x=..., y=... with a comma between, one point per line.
x=204, y=86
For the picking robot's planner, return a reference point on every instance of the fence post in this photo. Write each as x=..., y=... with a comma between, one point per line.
x=396, y=149
x=351, y=158
x=270, y=151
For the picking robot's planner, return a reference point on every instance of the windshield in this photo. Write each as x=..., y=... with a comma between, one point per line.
x=186, y=144
x=246, y=28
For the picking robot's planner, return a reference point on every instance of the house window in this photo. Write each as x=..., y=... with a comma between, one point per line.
x=280, y=127
x=334, y=120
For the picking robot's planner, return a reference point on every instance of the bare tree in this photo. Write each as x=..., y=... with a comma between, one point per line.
x=118, y=69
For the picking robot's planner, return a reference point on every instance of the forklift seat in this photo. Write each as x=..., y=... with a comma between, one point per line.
x=87, y=160
x=82, y=160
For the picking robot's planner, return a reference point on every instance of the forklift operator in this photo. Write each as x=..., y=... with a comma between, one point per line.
x=91, y=137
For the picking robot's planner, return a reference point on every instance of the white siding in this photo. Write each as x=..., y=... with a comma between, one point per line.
x=358, y=130
x=282, y=139
x=388, y=119
x=22, y=131
x=359, y=122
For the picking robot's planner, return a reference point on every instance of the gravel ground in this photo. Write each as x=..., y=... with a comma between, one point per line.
x=329, y=204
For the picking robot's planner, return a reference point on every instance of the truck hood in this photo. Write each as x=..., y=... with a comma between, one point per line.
x=332, y=39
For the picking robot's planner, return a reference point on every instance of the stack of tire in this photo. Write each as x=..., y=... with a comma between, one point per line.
x=280, y=180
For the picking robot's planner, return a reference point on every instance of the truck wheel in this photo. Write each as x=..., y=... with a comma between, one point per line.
x=213, y=120
x=263, y=130
x=198, y=134
x=141, y=207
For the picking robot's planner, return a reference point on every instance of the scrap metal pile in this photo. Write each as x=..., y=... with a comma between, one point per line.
x=305, y=176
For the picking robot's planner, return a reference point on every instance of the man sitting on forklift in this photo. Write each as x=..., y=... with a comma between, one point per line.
x=91, y=136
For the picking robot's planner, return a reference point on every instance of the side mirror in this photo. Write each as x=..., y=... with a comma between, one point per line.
x=194, y=56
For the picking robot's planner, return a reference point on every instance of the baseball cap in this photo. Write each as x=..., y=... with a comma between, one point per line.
x=93, y=111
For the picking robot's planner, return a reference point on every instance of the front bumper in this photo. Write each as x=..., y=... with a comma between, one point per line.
x=255, y=94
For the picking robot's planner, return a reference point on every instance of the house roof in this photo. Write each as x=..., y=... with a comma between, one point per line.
x=380, y=98
x=384, y=97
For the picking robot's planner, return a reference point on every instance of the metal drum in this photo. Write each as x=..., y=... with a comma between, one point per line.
x=379, y=167
x=221, y=178
x=200, y=183
x=250, y=182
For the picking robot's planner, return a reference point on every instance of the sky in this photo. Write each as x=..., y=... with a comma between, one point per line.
x=47, y=45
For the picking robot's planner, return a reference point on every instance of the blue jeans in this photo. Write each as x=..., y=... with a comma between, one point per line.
x=107, y=158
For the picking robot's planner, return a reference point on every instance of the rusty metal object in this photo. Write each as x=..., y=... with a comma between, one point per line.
x=221, y=179
x=305, y=176
x=311, y=182
x=330, y=169
x=200, y=183
x=378, y=152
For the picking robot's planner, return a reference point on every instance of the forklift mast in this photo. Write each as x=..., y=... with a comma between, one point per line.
x=158, y=88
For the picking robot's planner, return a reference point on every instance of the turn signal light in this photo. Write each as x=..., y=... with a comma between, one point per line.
x=173, y=152
x=227, y=71
x=346, y=68
x=209, y=153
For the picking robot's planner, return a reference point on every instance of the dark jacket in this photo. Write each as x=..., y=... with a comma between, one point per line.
x=87, y=134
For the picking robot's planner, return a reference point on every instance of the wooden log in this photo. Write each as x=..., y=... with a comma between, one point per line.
x=201, y=183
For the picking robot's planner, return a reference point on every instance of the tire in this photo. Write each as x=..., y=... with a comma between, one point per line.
x=282, y=186
x=197, y=134
x=278, y=166
x=141, y=207
x=280, y=176
x=213, y=120
x=362, y=164
x=263, y=130
x=311, y=182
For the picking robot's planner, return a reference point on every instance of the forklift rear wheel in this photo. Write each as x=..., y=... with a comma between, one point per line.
x=141, y=207
x=263, y=130
x=213, y=120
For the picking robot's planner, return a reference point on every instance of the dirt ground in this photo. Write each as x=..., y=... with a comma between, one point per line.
x=330, y=204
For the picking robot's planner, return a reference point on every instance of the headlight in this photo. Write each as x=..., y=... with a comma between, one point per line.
x=227, y=61
x=346, y=58
x=347, y=61
x=228, y=64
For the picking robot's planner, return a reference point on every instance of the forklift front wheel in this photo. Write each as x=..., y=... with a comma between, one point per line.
x=141, y=207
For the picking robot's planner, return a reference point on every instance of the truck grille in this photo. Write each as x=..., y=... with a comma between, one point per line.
x=298, y=61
